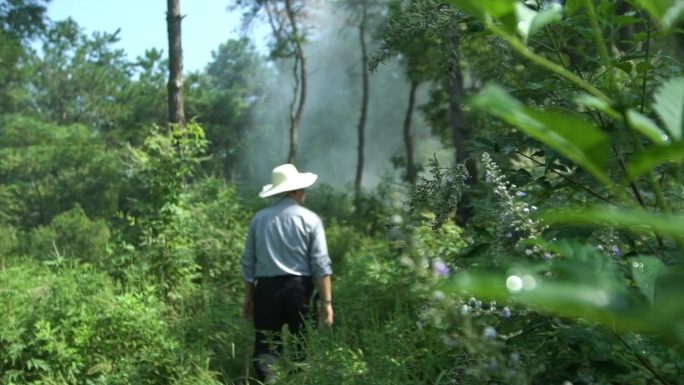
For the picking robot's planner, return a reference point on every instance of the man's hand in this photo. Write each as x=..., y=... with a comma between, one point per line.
x=326, y=310
x=248, y=309
x=326, y=314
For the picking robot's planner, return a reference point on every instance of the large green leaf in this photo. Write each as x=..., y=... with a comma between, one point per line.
x=669, y=104
x=515, y=17
x=645, y=270
x=653, y=157
x=571, y=136
x=618, y=218
x=667, y=12
x=531, y=21
x=647, y=127
x=599, y=104
x=604, y=302
x=501, y=10
x=572, y=6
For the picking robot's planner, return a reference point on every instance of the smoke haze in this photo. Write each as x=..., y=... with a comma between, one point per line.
x=328, y=134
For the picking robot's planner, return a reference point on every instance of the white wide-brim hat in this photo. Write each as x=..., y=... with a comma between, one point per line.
x=286, y=178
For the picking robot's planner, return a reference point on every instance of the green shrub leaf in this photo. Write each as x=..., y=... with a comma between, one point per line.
x=531, y=21
x=669, y=104
x=653, y=157
x=571, y=136
x=618, y=218
x=646, y=126
x=667, y=12
x=645, y=270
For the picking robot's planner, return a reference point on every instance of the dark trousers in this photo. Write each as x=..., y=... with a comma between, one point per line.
x=278, y=301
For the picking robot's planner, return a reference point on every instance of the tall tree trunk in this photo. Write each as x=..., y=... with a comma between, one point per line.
x=459, y=128
x=175, y=84
x=411, y=172
x=299, y=97
x=364, y=100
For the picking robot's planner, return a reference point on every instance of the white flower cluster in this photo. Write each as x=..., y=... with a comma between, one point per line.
x=515, y=224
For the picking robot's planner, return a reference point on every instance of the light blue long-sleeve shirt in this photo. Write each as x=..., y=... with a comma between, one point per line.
x=285, y=239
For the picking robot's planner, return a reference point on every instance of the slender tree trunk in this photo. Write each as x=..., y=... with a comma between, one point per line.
x=294, y=123
x=411, y=172
x=175, y=84
x=364, y=101
x=299, y=97
x=459, y=128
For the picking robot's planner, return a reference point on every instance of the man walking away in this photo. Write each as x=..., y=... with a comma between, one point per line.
x=285, y=255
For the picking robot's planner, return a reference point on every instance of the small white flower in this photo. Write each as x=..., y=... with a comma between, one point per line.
x=490, y=333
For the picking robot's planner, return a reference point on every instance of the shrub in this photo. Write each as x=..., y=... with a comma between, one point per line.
x=71, y=234
x=69, y=324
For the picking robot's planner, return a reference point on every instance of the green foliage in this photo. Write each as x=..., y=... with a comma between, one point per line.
x=20, y=19
x=592, y=271
x=225, y=99
x=47, y=169
x=80, y=79
x=163, y=240
x=366, y=211
x=71, y=235
x=67, y=324
x=119, y=262
x=579, y=140
x=440, y=194
x=381, y=337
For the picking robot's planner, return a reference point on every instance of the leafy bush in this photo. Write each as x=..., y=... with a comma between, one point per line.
x=178, y=235
x=381, y=334
x=365, y=211
x=8, y=241
x=72, y=235
x=70, y=324
x=48, y=169
x=574, y=260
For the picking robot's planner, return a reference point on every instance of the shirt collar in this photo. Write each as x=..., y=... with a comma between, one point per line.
x=287, y=201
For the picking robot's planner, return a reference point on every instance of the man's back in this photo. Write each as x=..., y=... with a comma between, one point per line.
x=285, y=239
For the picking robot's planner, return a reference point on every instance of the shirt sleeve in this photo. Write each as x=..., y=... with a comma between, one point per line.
x=318, y=252
x=248, y=260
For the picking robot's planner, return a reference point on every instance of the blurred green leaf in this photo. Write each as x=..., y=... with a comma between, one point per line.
x=618, y=218
x=669, y=104
x=477, y=250
x=606, y=8
x=501, y=10
x=494, y=8
x=577, y=290
x=625, y=20
x=643, y=66
x=647, y=127
x=667, y=12
x=572, y=6
x=601, y=105
x=531, y=21
x=470, y=7
x=653, y=157
x=570, y=136
x=645, y=270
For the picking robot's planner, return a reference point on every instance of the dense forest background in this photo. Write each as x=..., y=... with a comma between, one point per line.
x=500, y=182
